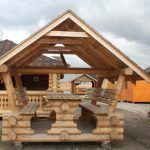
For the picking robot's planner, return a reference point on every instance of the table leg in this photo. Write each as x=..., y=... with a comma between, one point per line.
x=64, y=124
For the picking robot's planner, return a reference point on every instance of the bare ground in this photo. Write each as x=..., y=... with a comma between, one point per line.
x=137, y=137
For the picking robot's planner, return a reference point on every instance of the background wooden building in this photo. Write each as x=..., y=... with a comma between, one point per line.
x=32, y=82
x=138, y=92
x=81, y=83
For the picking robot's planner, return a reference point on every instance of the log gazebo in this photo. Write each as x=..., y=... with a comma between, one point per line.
x=67, y=34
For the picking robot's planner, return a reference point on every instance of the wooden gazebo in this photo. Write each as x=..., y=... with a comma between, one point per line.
x=78, y=38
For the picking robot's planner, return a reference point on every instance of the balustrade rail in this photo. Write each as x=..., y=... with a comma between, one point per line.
x=33, y=96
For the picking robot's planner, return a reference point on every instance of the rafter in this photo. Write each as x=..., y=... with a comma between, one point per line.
x=89, y=56
x=63, y=60
x=94, y=56
x=32, y=56
x=26, y=53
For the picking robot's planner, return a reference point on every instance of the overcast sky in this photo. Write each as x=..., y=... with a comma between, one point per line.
x=126, y=23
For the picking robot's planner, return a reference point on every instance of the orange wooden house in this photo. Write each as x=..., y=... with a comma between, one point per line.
x=138, y=92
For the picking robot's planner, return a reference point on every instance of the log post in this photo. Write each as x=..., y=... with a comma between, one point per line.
x=119, y=86
x=99, y=85
x=100, y=82
x=54, y=82
x=10, y=89
x=21, y=90
x=18, y=81
x=49, y=82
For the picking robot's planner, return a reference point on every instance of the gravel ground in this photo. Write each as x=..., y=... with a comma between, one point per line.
x=137, y=137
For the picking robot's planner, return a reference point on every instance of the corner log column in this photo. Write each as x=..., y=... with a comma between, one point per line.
x=10, y=89
x=15, y=125
x=111, y=125
x=54, y=82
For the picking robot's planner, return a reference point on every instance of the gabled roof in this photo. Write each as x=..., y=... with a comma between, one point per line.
x=93, y=48
x=84, y=75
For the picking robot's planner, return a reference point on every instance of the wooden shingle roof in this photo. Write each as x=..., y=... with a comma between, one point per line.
x=7, y=45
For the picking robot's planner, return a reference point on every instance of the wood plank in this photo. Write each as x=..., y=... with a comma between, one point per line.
x=19, y=56
x=26, y=131
x=94, y=109
x=60, y=48
x=20, y=124
x=63, y=60
x=72, y=138
x=64, y=41
x=59, y=51
x=33, y=55
x=92, y=57
x=67, y=34
x=29, y=109
x=84, y=58
x=99, y=99
x=45, y=70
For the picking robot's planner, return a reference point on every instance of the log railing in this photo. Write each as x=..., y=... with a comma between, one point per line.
x=33, y=96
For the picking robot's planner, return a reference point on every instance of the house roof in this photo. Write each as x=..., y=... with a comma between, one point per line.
x=147, y=70
x=7, y=45
x=84, y=75
x=78, y=38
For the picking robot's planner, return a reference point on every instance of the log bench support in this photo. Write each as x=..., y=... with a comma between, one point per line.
x=14, y=125
x=111, y=124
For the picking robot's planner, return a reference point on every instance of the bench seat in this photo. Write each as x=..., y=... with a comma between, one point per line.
x=29, y=109
x=95, y=109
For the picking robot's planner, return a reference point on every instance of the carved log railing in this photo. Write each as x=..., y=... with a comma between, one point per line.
x=33, y=96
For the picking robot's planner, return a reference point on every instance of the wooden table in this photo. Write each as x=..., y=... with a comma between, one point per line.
x=64, y=105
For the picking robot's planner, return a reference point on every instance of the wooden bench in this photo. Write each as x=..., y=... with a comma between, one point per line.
x=106, y=98
x=22, y=98
x=29, y=109
x=107, y=121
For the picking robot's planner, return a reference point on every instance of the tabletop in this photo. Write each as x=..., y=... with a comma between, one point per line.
x=61, y=96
